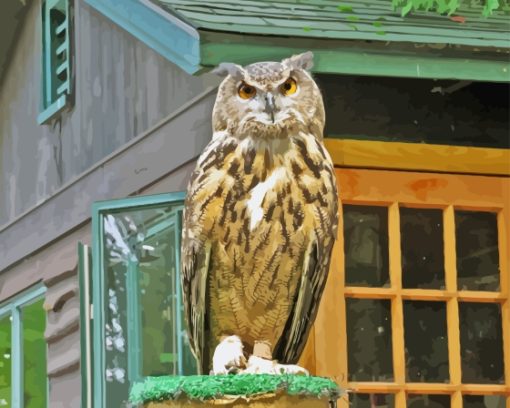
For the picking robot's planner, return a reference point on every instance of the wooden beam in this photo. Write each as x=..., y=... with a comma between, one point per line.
x=428, y=388
x=421, y=157
x=331, y=339
x=452, y=306
x=397, y=308
x=504, y=253
x=424, y=294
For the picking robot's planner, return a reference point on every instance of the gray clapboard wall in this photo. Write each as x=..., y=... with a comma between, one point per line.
x=121, y=89
x=125, y=94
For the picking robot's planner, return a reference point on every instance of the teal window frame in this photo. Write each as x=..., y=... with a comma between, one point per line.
x=96, y=391
x=12, y=308
x=56, y=76
x=86, y=334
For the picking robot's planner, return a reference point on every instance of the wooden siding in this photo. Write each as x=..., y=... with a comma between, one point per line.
x=122, y=89
x=56, y=267
x=149, y=157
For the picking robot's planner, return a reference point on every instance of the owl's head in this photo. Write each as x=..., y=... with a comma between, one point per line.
x=269, y=99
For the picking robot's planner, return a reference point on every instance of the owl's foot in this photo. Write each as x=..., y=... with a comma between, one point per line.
x=260, y=365
x=261, y=362
x=228, y=356
x=291, y=369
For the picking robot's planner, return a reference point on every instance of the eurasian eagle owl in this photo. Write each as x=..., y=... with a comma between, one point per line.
x=260, y=215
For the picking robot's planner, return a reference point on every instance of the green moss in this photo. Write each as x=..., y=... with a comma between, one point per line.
x=203, y=387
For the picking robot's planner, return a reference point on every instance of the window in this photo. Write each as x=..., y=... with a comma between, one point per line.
x=23, y=380
x=56, y=61
x=421, y=267
x=138, y=320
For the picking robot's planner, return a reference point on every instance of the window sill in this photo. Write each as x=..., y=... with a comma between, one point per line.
x=51, y=111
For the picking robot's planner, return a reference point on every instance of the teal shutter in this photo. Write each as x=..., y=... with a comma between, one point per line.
x=56, y=64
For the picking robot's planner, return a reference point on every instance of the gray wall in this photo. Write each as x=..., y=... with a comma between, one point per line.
x=137, y=124
x=122, y=88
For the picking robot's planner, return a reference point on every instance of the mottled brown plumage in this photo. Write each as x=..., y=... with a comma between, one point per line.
x=260, y=216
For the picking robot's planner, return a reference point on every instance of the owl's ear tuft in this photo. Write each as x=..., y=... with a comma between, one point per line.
x=300, y=61
x=229, y=68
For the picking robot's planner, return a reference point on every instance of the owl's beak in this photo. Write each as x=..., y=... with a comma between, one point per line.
x=270, y=106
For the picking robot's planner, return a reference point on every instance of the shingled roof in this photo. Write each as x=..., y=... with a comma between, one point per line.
x=366, y=37
x=355, y=20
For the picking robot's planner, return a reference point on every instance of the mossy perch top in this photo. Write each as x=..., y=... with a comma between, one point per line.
x=207, y=387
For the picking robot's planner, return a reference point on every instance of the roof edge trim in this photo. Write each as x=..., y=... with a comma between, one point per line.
x=336, y=58
x=170, y=37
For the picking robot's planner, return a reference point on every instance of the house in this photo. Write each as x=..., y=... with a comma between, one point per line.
x=105, y=106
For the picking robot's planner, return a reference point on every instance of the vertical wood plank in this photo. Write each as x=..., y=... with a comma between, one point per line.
x=400, y=399
x=450, y=258
x=307, y=359
x=397, y=313
x=452, y=306
x=504, y=253
x=330, y=325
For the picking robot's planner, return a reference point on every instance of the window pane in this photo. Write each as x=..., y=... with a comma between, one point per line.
x=34, y=355
x=426, y=341
x=421, y=238
x=372, y=400
x=477, y=250
x=428, y=401
x=143, y=329
x=366, y=245
x=369, y=340
x=481, y=343
x=483, y=401
x=159, y=290
x=5, y=361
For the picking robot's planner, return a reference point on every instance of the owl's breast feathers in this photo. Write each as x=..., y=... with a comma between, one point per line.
x=258, y=217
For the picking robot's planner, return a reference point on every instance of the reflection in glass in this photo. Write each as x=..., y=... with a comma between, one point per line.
x=477, y=250
x=369, y=340
x=144, y=326
x=483, y=401
x=34, y=355
x=428, y=401
x=5, y=361
x=421, y=238
x=372, y=400
x=481, y=343
x=366, y=245
x=426, y=341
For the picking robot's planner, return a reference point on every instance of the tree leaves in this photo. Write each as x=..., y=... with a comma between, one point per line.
x=447, y=7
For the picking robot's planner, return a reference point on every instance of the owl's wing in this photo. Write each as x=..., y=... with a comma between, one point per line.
x=313, y=280
x=195, y=268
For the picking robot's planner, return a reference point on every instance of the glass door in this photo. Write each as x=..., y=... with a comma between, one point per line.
x=138, y=313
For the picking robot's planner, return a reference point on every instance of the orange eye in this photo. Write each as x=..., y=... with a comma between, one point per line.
x=246, y=91
x=289, y=87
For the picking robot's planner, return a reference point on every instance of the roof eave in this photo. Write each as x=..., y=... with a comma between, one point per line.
x=195, y=49
x=397, y=59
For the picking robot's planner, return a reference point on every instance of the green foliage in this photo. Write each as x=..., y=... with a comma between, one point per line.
x=5, y=361
x=34, y=355
x=449, y=6
x=203, y=387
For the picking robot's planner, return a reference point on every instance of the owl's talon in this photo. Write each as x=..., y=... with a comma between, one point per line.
x=228, y=356
x=291, y=369
x=259, y=365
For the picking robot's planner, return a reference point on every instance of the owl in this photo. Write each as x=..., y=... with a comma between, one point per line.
x=260, y=215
